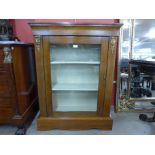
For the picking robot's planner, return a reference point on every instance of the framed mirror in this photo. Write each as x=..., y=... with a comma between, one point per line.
x=136, y=66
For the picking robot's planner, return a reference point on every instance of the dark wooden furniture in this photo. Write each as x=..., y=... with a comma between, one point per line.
x=67, y=54
x=18, y=91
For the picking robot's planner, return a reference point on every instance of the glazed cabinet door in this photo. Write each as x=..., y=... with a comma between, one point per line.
x=75, y=71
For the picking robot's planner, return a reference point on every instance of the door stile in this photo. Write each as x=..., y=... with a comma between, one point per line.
x=110, y=77
x=48, y=81
x=102, y=76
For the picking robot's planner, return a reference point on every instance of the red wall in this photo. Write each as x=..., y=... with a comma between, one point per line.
x=23, y=31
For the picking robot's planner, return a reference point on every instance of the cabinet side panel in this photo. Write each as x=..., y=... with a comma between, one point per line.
x=40, y=75
x=110, y=76
x=21, y=77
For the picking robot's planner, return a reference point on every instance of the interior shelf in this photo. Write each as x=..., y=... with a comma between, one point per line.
x=69, y=108
x=68, y=101
x=75, y=87
x=76, y=62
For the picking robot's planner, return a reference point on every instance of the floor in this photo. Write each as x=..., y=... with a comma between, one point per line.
x=123, y=124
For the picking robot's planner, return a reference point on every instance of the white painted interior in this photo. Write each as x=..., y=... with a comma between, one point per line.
x=75, y=77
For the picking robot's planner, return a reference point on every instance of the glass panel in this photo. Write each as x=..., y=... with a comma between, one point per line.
x=75, y=77
x=124, y=57
x=74, y=53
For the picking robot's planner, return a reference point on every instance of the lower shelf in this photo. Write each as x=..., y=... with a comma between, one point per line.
x=74, y=123
x=66, y=101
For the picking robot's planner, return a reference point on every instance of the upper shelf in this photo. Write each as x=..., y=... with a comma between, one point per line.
x=75, y=87
x=76, y=62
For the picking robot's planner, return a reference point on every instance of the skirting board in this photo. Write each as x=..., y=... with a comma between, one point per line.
x=74, y=123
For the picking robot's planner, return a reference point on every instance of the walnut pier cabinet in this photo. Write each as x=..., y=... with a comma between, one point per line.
x=75, y=67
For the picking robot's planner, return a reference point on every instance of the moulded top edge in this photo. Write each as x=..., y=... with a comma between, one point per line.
x=75, y=24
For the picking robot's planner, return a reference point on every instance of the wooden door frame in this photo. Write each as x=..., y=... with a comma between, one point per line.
x=104, y=42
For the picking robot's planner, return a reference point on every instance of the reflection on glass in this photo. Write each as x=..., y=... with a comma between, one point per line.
x=143, y=59
x=75, y=76
x=137, y=63
x=125, y=48
x=142, y=79
x=144, y=40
